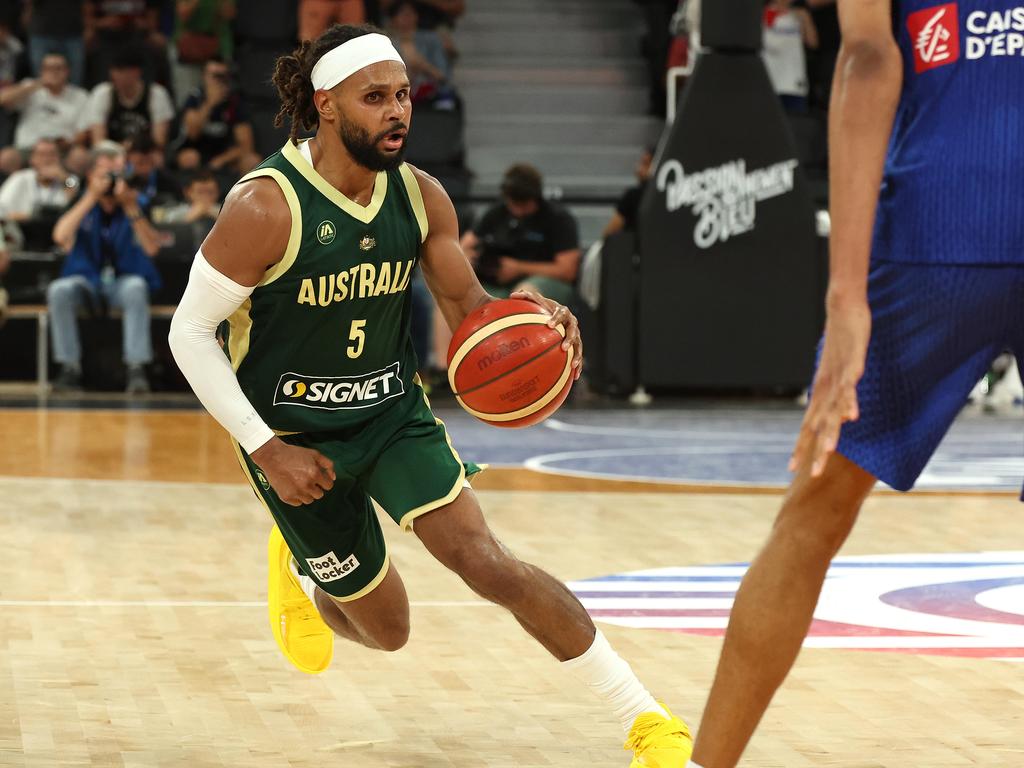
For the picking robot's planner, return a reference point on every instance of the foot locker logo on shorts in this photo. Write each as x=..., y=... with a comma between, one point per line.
x=330, y=567
x=935, y=35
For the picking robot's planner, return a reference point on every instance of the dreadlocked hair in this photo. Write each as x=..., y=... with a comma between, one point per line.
x=293, y=73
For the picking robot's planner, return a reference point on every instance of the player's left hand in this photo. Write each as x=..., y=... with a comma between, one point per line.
x=560, y=315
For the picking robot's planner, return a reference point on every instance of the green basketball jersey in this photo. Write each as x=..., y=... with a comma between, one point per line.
x=323, y=342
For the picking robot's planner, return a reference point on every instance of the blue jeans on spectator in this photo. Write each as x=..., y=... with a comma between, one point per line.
x=72, y=47
x=129, y=293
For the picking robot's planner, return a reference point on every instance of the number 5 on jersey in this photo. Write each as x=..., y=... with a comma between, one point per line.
x=357, y=336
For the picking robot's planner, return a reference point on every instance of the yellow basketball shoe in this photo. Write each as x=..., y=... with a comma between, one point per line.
x=659, y=742
x=301, y=634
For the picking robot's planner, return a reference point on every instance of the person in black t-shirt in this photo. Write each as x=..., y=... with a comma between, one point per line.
x=215, y=126
x=525, y=240
x=624, y=218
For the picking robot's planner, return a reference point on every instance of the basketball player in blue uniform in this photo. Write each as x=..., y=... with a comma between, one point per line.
x=926, y=289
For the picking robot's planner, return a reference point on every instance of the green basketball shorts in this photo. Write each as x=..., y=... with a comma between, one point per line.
x=403, y=459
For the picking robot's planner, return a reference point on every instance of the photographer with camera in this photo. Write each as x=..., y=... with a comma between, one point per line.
x=215, y=125
x=109, y=244
x=525, y=240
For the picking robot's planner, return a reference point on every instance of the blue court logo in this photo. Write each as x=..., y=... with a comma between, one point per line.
x=969, y=604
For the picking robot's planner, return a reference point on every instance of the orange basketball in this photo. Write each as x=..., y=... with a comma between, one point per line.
x=506, y=367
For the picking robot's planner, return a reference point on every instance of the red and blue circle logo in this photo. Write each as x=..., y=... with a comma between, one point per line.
x=969, y=604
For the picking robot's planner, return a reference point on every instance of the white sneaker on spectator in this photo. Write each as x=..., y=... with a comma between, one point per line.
x=1007, y=392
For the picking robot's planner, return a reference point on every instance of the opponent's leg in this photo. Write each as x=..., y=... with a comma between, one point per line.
x=774, y=606
x=458, y=537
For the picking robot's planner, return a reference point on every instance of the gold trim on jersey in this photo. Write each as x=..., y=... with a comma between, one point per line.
x=249, y=476
x=369, y=587
x=240, y=322
x=365, y=214
x=412, y=186
x=291, y=251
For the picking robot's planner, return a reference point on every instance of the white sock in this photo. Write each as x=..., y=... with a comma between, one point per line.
x=692, y=764
x=608, y=675
x=304, y=581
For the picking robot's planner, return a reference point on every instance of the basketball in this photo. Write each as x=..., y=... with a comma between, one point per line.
x=507, y=367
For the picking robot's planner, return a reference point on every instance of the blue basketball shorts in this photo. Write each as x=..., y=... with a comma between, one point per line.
x=935, y=331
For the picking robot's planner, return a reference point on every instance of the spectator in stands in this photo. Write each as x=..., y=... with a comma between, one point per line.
x=438, y=16
x=422, y=50
x=111, y=26
x=33, y=198
x=110, y=245
x=128, y=104
x=202, y=31
x=787, y=29
x=201, y=207
x=626, y=210
x=525, y=240
x=50, y=106
x=156, y=186
x=77, y=161
x=315, y=16
x=56, y=26
x=215, y=125
x=12, y=54
x=11, y=160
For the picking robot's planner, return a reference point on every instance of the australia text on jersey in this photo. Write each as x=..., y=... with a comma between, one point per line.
x=363, y=281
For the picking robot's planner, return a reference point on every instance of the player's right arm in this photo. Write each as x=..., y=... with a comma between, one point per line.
x=865, y=95
x=251, y=235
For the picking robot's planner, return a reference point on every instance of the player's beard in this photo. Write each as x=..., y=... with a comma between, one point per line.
x=363, y=147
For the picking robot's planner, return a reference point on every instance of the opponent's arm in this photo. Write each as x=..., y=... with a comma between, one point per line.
x=865, y=94
x=250, y=235
x=451, y=278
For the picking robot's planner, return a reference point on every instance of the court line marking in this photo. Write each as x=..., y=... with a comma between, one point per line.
x=203, y=604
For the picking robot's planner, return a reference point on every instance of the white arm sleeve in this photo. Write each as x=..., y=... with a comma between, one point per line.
x=209, y=299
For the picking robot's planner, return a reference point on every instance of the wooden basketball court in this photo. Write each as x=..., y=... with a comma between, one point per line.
x=132, y=612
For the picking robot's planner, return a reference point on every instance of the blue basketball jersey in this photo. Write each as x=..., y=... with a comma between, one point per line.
x=953, y=190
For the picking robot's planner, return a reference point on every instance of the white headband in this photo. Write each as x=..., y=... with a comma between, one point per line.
x=348, y=58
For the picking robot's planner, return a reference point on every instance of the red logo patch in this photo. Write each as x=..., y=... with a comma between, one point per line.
x=935, y=35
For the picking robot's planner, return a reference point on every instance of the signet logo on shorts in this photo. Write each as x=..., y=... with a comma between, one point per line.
x=330, y=567
x=325, y=232
x=262, y=480
x=935, y=35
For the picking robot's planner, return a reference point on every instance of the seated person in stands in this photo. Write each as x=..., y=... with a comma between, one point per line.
x=40, y=192
x=128, y=105
x=437, y=16
x=201, y=206
x=216, y=132
x=626, y=210
x=155, y=185
x=422, y=50
x=525, y=240
x=49, y=107
x=110, y=247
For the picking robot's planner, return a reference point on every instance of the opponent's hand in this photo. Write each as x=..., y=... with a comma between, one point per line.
x=559, y=315
x=298, y=475
x=834, y=396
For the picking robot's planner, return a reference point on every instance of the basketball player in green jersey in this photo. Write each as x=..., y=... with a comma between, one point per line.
x=310, y=263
